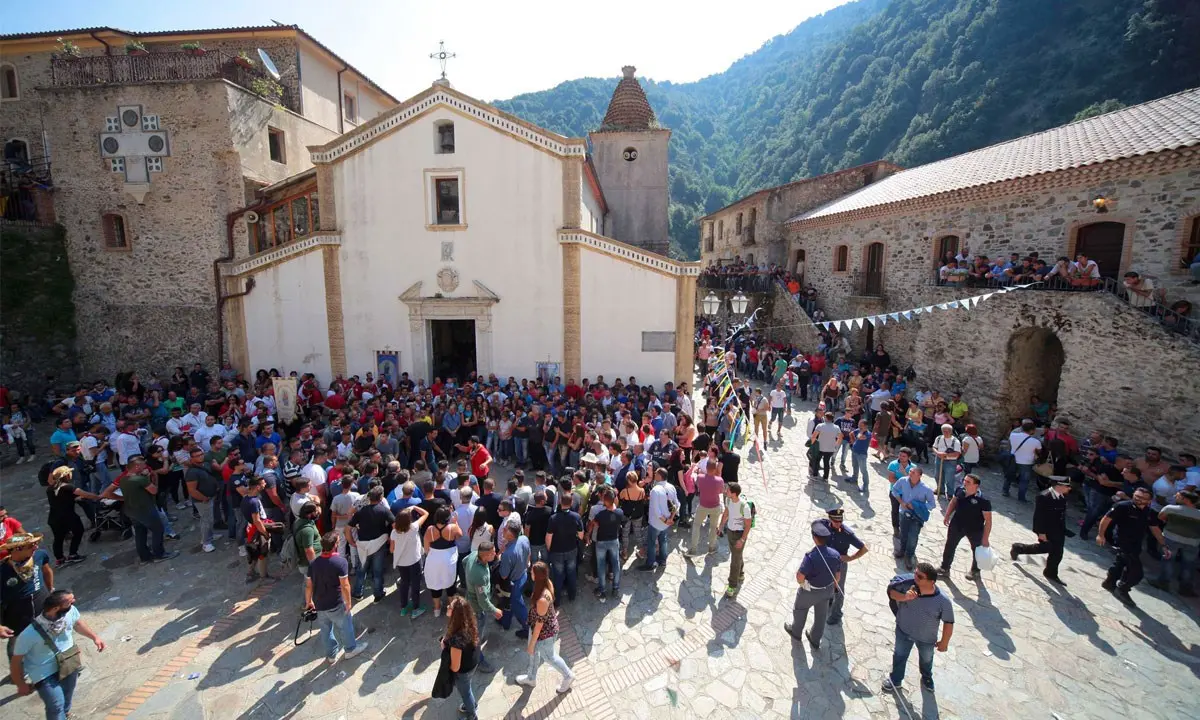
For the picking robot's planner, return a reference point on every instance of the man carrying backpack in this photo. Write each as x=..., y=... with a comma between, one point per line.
x=919, y=606
x=737, y=520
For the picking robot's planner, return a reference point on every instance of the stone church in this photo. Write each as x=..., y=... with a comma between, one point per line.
x=454, y=237
x=1122, y=188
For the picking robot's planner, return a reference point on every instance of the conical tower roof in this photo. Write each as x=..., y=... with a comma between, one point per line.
x=629, y=109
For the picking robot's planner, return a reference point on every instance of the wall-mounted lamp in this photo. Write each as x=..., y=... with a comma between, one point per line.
x=1101, y=204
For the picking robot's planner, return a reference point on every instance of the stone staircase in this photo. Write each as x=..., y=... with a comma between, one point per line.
x=791, y=324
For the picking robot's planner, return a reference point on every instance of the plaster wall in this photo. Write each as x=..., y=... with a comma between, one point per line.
x=287, y=302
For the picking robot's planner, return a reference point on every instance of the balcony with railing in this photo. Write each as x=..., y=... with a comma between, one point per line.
x=740, y=282
x=25, y=185
x=92, y=70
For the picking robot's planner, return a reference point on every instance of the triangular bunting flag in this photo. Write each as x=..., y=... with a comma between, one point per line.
x=952, y=303
x=908, y=314
x=916, y=311
x=928, y=309
x=895, y=317
x=880, y=320
x=981, y=298
x=943, y=306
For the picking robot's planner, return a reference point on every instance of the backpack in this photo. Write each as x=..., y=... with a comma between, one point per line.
x=753, y=512
x=901, y=584
x=289, y=554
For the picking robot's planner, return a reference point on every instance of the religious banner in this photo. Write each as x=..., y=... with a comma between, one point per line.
x=387, y=366
x=285, y=398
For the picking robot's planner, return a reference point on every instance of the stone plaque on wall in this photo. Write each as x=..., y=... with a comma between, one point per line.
x=658, y=342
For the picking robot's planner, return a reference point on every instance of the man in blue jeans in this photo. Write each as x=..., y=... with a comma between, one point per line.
x=140, y=492
x=915, y=500
x=327, y=590
x=606, y=524
x=514, y=567
x=919, y=606
x=563, y=535
x=1025, y=448
x=664, y=506
x=368, y=532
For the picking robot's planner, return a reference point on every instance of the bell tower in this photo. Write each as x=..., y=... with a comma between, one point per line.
x=629, y=150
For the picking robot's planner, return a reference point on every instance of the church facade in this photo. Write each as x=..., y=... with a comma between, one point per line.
x=454, y=237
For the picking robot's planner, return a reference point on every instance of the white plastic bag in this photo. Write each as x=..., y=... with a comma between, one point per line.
x=986, y=558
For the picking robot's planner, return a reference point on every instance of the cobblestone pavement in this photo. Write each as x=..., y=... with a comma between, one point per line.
x=187, y=639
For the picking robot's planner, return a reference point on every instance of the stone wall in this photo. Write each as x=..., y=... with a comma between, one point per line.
x=636, y=191
x=1122, y=372
x=37, y=318
x=767, y=239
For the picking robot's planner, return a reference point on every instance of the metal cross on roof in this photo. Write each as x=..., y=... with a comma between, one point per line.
x=442, y=56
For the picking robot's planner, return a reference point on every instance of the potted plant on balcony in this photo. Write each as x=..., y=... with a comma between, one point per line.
x=69, y=48
x=133, y=47
x=193, y=48
x=244, y=59
x=267, y=88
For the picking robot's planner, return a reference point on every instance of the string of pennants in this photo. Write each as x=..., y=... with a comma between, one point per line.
x=902, y=315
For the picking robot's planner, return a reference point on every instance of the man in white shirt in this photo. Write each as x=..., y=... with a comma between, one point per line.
x=210, y=430
x=93, y=446
x=684, y=401
x=779, y=402
x=1024, y=448
x=827, y=436
x=948, y=449
x=1140, y=290
x=663, y=509
x=194, y=420
x=125, y=444
x=878, y=398
x=314, y=472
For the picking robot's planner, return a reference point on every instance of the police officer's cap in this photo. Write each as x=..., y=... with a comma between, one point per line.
x=836, y=513
x=819, y=529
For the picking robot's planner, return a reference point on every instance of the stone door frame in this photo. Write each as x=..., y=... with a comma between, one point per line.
x=422, y=308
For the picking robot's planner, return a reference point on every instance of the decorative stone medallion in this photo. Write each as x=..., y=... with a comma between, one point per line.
x=447, y=279
x=134, y=144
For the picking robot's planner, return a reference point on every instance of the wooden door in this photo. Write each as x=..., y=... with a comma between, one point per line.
x=1104, y=243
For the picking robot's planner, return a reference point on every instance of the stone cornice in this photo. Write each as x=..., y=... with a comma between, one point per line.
x=628, y=253
x=1161, y=162
x=439, y=96
x=280, y=254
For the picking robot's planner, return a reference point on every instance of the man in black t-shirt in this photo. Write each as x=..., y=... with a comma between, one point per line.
x=729, y=463
x=606, y=524
x=368, y=532
x=327, y=590
x=537, y=519
x=1103, y=481
x=489, y=500
x=969, y=515
x=1132, y=519
x=202, y=487
x=563, y=535
x=258, y=537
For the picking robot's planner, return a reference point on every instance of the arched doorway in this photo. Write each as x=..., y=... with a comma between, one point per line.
x=1103, y=242
x=1034, y=362
x=798, y=265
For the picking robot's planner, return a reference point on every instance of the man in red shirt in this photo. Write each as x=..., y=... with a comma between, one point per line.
x=574, y=391
x=481, y=459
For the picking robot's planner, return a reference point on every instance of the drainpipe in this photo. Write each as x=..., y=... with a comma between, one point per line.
x=230, y=219
x=107, y=47
x=341, y=99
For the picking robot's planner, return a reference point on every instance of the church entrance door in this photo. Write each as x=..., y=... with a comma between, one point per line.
x=452, y=348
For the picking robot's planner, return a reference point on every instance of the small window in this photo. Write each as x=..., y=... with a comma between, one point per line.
x=350, y=107
x=276, y=142
x=841, y=258
x=739, y=224
x=751, y=225
x=1191, y=248
x=443, y=141
x=721, y=229
x=447, y=201
x=116, y=235
x=9, y=89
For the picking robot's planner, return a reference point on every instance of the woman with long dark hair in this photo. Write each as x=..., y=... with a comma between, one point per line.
x=461, y=643
x=441, y=561
x=543, y=629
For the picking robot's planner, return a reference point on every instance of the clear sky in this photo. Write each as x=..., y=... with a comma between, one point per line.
x=504, y=48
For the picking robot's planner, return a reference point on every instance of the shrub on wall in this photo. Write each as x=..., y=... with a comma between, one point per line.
x=36, y=283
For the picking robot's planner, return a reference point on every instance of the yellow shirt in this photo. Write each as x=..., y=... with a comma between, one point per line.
x=958, y=409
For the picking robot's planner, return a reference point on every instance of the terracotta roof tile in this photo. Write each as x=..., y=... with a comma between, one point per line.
x=629, y=109
x=1168, y=123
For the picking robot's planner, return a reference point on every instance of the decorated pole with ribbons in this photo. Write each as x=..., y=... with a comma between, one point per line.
x=720, y=373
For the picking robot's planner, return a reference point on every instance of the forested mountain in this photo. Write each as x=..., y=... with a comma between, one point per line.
x=911, y=81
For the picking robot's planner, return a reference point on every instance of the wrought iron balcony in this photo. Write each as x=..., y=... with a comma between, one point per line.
x=67, y=71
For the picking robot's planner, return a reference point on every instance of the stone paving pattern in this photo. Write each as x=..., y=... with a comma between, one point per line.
x=672, y=648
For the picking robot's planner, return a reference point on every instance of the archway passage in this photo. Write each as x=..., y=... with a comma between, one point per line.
x=1103, y=242
x=1034, y=367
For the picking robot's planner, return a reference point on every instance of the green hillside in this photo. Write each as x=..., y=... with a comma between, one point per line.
x=907, y=80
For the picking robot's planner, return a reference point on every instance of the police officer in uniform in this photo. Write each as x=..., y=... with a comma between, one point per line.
x=1050, y=524
x=820, y=570
x=841, y=538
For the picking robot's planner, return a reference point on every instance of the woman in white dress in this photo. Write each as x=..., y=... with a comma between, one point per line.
x=441, y=557
x=405, y=545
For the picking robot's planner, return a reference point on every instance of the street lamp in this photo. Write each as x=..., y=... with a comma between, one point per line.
x=710, y=304
x=739, y=303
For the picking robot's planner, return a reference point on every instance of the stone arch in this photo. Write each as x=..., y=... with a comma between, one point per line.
x=1034, y=360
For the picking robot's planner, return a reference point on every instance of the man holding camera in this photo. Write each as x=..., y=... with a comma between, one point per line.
x=327, y=593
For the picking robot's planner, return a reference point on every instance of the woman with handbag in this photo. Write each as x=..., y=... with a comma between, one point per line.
x=460, y=656
x=47, y=653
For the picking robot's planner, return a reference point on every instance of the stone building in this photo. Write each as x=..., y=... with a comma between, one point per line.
x=454, y=237
x=149, y=141
x=753, y=227
x=1123, y=188
x=629, y=151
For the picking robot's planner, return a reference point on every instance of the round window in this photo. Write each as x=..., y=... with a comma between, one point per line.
x=630, y=154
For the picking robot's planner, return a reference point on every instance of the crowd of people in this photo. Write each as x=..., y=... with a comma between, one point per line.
x=377, y=480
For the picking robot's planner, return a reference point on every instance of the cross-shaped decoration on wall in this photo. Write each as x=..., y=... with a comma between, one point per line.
x=134, y=145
